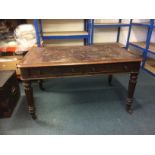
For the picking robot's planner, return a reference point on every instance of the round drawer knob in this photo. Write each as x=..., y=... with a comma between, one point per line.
x=93, y=69
x=125, y=67
x=73, y=70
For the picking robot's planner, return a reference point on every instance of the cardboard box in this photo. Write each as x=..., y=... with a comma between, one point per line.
x=9, y=63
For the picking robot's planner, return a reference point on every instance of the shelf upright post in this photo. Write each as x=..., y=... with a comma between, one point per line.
x=92, y=32
x=129, y=33
x=118, y=33
x=89, y=27
x=41, y=29
x=148, y=39
x=85, y=29
x=36, y=25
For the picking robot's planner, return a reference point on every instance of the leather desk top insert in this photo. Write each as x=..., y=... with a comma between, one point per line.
x=51, y=62
x=75, y=55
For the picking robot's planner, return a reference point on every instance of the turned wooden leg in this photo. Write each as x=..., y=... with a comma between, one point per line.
x=131, y=89
x=41, y=85
x=29, y=95
x=110, y=79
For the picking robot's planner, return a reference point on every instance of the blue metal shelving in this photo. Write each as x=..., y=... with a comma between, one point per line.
x=86, y=35
x=145, y=47
x=108, y=25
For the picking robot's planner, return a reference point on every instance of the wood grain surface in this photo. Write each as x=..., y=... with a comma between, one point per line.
x=77, y=55
x=65, y=33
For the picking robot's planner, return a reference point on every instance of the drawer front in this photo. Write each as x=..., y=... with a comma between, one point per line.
x=45, y=72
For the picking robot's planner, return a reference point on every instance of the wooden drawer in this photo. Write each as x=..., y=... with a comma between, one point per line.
x=58, y=71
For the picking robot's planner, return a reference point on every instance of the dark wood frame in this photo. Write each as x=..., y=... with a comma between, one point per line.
x=53, y=62
x=33, y=73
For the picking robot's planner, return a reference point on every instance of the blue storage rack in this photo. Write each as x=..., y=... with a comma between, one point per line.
x=90, y=25
x=108, y=25
x=85, y=36
x=144, y=47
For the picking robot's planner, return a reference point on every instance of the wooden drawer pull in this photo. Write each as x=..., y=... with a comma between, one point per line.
x=73, y=70
x=126, y=67
x=93, y=69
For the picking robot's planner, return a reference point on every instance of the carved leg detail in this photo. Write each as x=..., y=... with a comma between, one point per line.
x=131, y=89
x=41, y=85
x=29, y=95
x=110, y=79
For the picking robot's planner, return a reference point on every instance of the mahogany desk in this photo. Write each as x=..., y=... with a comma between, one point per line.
x=52, y=62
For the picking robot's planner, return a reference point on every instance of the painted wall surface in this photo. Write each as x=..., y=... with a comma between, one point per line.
x=101, y=35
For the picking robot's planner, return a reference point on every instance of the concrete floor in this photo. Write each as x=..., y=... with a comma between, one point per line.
x=86, y=105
